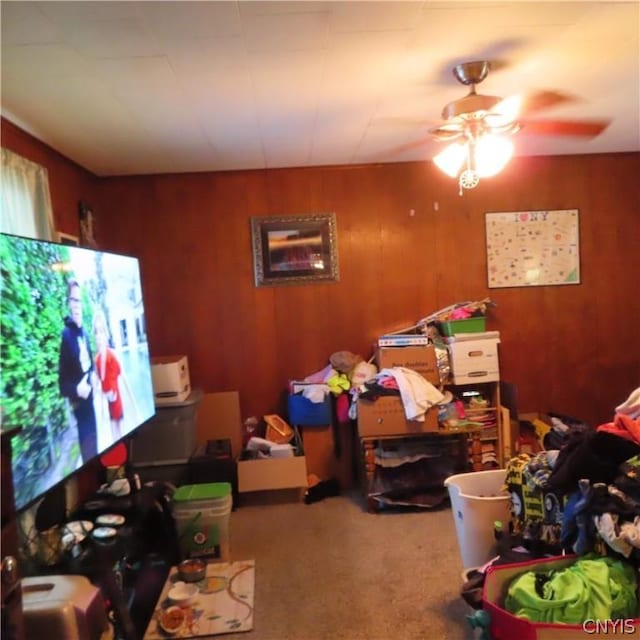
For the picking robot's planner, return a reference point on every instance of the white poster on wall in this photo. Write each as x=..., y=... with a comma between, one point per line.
x=532, y=248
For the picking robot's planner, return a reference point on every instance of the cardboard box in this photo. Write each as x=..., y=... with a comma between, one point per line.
x=420, y=358
x=265, y=474
x=386, y=417
x=474, y=361
x=272, y=473
x=170, y=377
x=219, y=418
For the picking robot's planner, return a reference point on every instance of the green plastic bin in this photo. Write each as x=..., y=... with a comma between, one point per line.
x=468, y=325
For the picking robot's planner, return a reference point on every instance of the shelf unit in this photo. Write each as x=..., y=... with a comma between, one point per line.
x=453, y=445
x=481, y=402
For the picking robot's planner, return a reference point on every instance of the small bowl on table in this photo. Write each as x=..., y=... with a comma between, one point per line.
x=192, y=570
x=182, y=594
x=172, y=619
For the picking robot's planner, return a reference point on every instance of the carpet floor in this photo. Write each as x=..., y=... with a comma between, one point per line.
x=332, y=571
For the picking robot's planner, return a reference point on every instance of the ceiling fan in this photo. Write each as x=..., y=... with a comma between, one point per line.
x=498, y=115
x=479, y=126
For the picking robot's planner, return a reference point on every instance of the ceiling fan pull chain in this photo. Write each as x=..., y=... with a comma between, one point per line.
x=468, y=179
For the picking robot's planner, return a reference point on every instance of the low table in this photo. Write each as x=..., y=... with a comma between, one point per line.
x=223, y=604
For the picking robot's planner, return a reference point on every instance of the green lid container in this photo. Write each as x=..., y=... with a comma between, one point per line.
x=206, y=491
x=476, y=324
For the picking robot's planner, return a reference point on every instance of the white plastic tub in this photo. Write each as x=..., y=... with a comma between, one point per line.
x=477, y=501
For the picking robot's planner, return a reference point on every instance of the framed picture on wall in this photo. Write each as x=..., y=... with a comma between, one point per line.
x=65, y=238
x=294, y=249
x=532, y=248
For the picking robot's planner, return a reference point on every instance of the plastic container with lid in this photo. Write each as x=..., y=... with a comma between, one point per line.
x=201, y=513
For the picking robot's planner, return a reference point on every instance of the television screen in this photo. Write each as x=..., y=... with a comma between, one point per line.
x=74, y=359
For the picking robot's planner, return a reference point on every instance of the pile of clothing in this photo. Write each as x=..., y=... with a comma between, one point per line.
x=586, y=493
x=592, y=588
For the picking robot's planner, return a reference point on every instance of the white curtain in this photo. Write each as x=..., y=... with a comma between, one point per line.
x=26, y=202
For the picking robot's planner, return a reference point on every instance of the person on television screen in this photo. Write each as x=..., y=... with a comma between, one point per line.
x=75, y=370
x=109, y=373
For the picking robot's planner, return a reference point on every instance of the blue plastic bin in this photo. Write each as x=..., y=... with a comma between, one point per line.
x=306, y=413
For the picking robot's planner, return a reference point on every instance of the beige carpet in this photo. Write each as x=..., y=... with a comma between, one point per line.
x=332, y=571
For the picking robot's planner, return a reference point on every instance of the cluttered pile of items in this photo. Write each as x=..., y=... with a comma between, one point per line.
x=437, y=377
x=407, y=386
x=569, y=563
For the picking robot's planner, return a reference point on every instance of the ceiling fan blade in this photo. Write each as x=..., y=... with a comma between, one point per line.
x=578, y=128
x=403, y=121
x=449, y=130
x=408, y=146
x=541, y=100
x=520, y=105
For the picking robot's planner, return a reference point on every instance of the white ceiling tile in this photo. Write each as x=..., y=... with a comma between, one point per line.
x=35, y=61
x=340, y=137
x=116, y=38
x=373, y=16
x=75, y=13
x=180, y=20
x=531, y=14
x=24, y=23
x=274, y=7
x=283, y=84
x=224, y=56
x=136, y=75
x=231, y=96
x=232, y=145
x=289, y=151
x=166, y=114
x=285, y=32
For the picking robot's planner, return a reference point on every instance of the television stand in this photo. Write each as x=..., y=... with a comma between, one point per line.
x=130, y=568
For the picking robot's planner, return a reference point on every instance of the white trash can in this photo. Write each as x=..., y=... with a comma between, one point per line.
x=477, y=501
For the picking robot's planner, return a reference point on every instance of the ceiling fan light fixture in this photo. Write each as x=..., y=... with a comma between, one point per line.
x=492, y=153
x=508, y=109
x=451, y=159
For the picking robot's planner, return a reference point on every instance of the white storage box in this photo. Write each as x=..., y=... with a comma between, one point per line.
x=474, y=361
x=170, y=375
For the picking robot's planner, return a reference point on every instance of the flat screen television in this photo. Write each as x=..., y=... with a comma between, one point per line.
x=75, y=370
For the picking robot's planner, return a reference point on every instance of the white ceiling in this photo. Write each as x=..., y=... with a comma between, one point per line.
x=158, y=87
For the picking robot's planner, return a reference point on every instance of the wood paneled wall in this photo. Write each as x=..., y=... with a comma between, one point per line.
x=408, y=245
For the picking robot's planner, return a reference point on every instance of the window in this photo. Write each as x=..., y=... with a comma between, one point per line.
x=26, y=202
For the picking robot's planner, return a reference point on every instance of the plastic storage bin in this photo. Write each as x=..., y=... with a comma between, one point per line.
x=306, y=413
x=170, y=436
x=478, y=499
x=466, y=325
x=201, y=513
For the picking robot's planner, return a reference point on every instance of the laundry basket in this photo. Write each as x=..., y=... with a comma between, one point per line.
x=478, y=499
